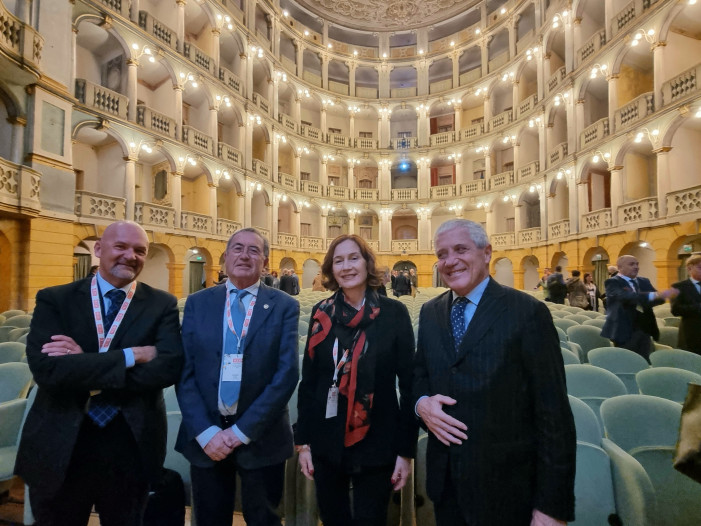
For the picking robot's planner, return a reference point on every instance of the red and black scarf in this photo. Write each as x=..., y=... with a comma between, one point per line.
x=357, y=376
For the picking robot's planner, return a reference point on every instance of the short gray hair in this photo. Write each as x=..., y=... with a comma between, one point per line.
x=266, y=244
x=474, y=230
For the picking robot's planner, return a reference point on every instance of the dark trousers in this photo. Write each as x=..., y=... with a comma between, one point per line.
x=639, y=342
x=214, y=493
x=372, y=488
x=104, y=471
x=447, y=510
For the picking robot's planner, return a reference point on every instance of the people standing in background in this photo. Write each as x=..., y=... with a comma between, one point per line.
x=393, y=278
x=287, y=284
x=612, y=271
x=630, y=321
x=402, y=285
x=317, y=283
x=577, y=291
x=414, y=281
x=688, y=305
x=295, y=280
x=276, y=280
x=592, y=292
x=557, y=287
x=544, y=283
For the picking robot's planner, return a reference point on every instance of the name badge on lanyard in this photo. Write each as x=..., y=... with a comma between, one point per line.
x=233, y=368
x=332, y=397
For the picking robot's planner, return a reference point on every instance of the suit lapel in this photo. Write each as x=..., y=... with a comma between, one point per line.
x=442, y=319
x=488, y=312
x=264, y=306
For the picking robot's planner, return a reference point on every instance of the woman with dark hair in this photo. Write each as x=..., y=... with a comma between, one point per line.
x=351, y=427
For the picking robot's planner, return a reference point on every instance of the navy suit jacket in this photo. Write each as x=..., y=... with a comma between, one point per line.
x=508, y=379
x=270, y=375
x=622, y=314
x=65, y=382
x=688, y=306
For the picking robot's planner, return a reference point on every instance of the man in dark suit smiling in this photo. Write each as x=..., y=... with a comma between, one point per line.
x=101, y=349
x=489, y=386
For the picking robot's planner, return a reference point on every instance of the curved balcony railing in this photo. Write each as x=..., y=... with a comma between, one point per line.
x=642, y=210
x=19, y=40
x=19, y=187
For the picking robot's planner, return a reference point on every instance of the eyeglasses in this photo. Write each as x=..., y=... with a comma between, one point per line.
x=251, y=250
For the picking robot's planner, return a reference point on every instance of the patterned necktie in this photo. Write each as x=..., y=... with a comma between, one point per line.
x=457, y=320
x=102, y=412
x=230, y=389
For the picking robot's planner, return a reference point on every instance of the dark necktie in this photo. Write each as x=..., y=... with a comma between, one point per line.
x=457, y=320
x=102, y=412
x=635, y=285
x=230, y=389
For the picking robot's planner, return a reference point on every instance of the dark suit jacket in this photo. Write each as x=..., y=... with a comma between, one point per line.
x=65, y=382
x=509, y=382
x=270, y=374
x=402, y=285
x=393, y=428
x=622, y=315
x=287, y=284
x=688, y=306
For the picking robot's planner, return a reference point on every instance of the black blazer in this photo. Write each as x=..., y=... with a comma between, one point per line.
x=270, y=374
x=65, y=382
x=622, y=315
x=509, y=382
x=688, y=306
x=393, y=428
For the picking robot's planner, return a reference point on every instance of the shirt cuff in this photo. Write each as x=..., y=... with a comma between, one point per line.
x=205, y=436
x=416, y=407
x=652, y=296
x=243, y=438
x=129, y=357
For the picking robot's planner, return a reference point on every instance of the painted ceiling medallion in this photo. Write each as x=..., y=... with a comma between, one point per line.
x=383, y=15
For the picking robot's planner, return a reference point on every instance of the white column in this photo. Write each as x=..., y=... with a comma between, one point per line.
x=299, y=48
x=178, y=114
x=617, y=193
x=351, y=176
x=424, y=126
x=214, y=126
x=129, y=187
x=275, y=219
x=324, y=129
x=518, y=220
x=658, y=55
x=74, y=49
x=324, y=227
x=424, y=231
x=17, y=139
x=176, y=197
x=613, y=102
x=352, y=67
x=458, y=118
x=351, y=223
x=180, y=24
x=323, y=172
x=385, y=183
x=248, y=150
x=424, y=179
x=663, y=180
x=455, y=63
x=351, y=125
x=385, y=232
x=216, y=34
x=323, y=57
x=383, y=79
x=248, y=200
x=132, y=78
x=213, y=205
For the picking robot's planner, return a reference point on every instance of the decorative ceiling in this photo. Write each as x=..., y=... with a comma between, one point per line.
x=383, y=15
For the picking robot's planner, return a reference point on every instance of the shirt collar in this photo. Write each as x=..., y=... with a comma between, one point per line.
x=105, y=286
x=252, y=290
x=475, y=295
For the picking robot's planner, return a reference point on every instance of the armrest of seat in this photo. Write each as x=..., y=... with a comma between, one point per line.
x=633, y=490
x=11, y=414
